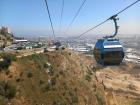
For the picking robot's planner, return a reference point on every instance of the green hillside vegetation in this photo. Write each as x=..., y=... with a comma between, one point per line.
x=55, y=78
x=6, y=60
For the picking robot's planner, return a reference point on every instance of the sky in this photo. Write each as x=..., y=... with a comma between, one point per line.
x=30, y=18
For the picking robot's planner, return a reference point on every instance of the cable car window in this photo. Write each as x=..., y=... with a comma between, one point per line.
x=113, y=56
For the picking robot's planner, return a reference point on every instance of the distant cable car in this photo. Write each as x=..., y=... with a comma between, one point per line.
x=57, y=44
x=108, y=50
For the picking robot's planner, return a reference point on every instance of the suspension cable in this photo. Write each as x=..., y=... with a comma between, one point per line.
x=127, y=7
x=61, y=16
x=78, y=11
x=50, y=18
x=92, y=28
x=107, y=19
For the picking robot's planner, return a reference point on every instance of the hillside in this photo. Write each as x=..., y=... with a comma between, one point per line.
x=68, y=78
x=6, y=39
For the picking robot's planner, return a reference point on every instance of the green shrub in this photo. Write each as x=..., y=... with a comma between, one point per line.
x=11, y=92
x=46, y=88
x=18, y=80
x=7, y=90
x=74, y=99
x=41, y=82
x=45, y=65
x=87, y=77
x=89, y=72
x=5, y=63
x=29, y=75
x=7, y=55
x=7, y=59
x=100, y=99
x=136, y=103
x=63, y=48
x=53, y=81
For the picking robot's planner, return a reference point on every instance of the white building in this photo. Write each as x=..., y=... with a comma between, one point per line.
x=20, y=40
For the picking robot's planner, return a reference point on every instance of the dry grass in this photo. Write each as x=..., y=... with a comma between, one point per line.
x=61, y=83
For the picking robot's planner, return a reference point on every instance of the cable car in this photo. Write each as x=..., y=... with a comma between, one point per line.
x=57, y=44
x=108, y=50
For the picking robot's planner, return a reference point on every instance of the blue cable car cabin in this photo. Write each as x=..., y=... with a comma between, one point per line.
x=108, y=52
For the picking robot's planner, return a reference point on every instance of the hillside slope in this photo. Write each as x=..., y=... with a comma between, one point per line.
x=6, y=39
x=67, y=78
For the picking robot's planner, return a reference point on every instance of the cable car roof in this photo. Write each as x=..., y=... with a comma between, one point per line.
x=111, y=44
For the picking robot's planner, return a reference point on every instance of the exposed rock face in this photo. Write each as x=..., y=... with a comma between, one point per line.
x=121, y=80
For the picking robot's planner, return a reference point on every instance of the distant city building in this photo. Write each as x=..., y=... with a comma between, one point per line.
x=28, y=47
x=20, y=40
x=5, y=30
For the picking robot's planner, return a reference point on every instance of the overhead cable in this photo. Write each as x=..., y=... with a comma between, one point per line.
x=75, y=16
x=107, y=19
x=50, y=18
x=61, y=16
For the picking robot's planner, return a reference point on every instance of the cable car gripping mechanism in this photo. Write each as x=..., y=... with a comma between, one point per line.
x=116, y=26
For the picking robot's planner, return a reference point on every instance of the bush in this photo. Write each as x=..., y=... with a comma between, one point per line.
x=11, y=92
x=74, y=99
x=87, y=77
x=7, y=90
x=18, y=80
x=7, y=59
x=10, y=56
x=5, y=63
x=89, y=72
x=53, y=81
x=63, y=48
x=100, y=99
x=29, y=75
x=41, y=82
x=46, y=87
x=135, y=103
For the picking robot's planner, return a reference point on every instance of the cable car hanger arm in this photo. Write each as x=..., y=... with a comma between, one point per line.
x=108, y=19
x=116, y=26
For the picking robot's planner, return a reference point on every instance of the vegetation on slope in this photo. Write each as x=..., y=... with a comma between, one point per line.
x=55, y=78
x=6, y=60
x=5, y=38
